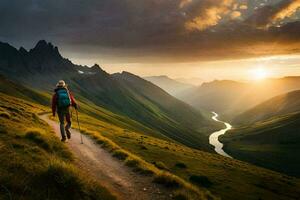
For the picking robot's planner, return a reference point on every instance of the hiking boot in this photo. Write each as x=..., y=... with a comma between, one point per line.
x=68, y=134
x=63, y=139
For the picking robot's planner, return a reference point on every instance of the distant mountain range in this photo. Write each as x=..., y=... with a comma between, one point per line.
x=231, y=98
x=279, y=105
x=171, y=86
x=124, y=94
x=191, y=81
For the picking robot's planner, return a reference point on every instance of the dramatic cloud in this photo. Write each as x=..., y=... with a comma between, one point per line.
x=202, y=14
x=285, y=9
x=154, y=29
x=270, y=15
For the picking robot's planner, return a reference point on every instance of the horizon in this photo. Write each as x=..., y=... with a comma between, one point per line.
x=154, y=99
x=275, y=66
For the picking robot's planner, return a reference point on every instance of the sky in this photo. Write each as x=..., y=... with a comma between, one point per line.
x=208, y=39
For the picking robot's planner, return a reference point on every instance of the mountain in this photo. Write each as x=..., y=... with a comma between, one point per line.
x=231, y=98
x=218, y=96
x=191, y=81
x=273, y=143
x=279, y=105
x=171, y=86
x=106, y=104
x=125, y=95
x=40, y=158
x=268, y=134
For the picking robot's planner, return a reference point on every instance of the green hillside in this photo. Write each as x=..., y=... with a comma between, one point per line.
x=17, y=90
x=227, y=178
x=279, y=105
x=273, y=143
x=224, y=177
x=154, y=110
x=190, y=128
x=34, y=163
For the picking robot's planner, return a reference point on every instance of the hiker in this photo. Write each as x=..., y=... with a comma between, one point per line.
x=61, y=102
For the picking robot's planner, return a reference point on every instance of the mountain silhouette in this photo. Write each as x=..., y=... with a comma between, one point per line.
x=125, y=94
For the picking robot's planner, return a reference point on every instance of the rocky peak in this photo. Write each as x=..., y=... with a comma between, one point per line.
x=45, y=50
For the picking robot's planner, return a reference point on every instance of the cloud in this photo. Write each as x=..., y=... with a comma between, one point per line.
x=243, y=7
x=270, y=15
x=202, y=14
x=235, y=14
x=286, y=9
x=154, y=29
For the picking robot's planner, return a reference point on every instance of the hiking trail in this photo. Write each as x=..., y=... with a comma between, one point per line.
x=109, y=171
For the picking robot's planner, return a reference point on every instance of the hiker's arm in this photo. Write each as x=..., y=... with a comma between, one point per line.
x=54, y=99
x=73, y=101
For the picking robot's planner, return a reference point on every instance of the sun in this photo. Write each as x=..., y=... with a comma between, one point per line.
x=259, y=73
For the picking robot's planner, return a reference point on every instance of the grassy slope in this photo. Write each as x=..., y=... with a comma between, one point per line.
x=41, y=67
x=230, y=179
x=156, y=112
x=273, y=143
x=188, y=125
x=34, y=163
x=279, y=105
x=17, y=90
x=227, y=178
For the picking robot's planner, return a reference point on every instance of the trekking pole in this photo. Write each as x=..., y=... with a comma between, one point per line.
x=79, y=127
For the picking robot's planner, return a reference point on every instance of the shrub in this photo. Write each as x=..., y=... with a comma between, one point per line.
x=167, y=180
x=202, y=181
x=5, y=115
x=132, y=163
x=121, y=155
x=138, y=166
x=37, y=137
x=181, y=165
x=63, y=181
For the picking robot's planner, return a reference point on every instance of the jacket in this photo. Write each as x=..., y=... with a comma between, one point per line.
x=54, y=99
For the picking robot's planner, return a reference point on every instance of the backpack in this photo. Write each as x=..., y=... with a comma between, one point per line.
x=63, y=98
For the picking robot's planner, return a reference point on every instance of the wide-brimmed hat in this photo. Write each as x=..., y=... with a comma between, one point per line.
x=61, y=83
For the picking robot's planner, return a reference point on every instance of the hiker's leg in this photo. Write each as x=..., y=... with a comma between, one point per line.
x=68, y=119
x=68, y=126
x=62, y=124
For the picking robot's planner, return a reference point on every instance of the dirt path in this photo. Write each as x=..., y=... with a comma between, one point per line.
x=109, y=171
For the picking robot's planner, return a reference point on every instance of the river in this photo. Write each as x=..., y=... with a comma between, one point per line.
x=214, y=137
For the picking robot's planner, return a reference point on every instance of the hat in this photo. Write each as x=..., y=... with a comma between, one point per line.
x=61, y=83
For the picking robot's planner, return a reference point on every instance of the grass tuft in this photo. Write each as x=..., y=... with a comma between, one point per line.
x=64, y=181
x=201, y=181
x=37, y=136
x=120, y=154
x=5, y=115
x=181, y=165
x=161, y=165
x=168, y=180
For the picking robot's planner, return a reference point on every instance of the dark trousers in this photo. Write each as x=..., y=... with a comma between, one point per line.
x=62, y=116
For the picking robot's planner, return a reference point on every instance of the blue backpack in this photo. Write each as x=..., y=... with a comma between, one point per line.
x=63, y=98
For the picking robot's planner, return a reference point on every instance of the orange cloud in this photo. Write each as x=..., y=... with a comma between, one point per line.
x=243, y=7
x=287, y=10
x=203, y=17
x=235, y=14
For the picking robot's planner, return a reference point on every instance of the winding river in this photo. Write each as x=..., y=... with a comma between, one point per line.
x=214, y=137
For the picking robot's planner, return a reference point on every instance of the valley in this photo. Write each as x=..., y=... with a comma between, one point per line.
x=150, y=100
x=147, y=129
